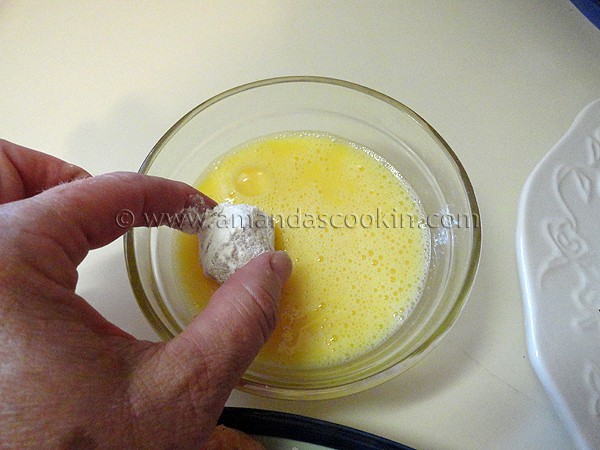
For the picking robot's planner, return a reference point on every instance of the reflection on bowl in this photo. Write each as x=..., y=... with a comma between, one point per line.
x=356, y=114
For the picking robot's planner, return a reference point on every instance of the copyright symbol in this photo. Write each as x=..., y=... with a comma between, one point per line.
x=124, y=218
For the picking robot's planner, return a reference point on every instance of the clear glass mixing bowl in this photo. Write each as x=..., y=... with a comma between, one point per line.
x=360, y=115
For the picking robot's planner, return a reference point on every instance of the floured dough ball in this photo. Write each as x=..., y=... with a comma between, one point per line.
x=230, y=236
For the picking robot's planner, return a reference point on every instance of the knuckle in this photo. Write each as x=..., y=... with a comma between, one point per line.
x=265, y=310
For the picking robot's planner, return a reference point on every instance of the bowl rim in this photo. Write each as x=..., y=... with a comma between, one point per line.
x=370, y=380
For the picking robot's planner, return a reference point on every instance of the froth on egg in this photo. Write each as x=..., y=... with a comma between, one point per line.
x=350, y=223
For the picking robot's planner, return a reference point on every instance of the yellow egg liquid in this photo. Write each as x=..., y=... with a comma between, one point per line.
x=350, y=225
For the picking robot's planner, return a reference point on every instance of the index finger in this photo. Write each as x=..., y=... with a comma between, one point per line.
x=73, y=218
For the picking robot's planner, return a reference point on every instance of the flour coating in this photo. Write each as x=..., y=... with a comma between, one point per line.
x=230, y=236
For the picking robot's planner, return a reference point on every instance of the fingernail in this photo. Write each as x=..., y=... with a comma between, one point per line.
x=192, y=215
x=200, y=202
x=281, y=264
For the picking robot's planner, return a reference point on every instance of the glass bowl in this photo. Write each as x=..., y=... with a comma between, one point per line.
x=359, y=115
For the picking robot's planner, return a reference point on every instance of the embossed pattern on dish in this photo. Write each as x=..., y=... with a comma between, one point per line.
x=558, y=246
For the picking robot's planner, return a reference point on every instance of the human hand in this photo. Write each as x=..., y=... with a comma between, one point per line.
x=68, y=377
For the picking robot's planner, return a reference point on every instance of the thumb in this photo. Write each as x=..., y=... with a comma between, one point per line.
x=185, y=382
x=223, y=340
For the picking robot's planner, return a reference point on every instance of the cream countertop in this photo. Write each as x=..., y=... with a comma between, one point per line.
x=99, y=83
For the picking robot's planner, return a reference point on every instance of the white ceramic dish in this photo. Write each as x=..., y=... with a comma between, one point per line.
x=558, y=251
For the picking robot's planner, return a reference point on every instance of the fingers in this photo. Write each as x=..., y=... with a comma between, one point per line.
x=223, y=340
x=75, y=217
x=83, y=212
x=106, y=206
x=27, y=172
